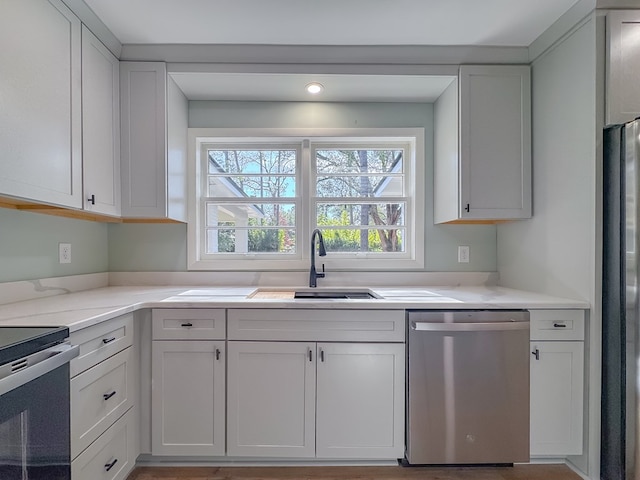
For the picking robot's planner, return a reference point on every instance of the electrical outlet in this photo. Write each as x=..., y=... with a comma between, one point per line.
x=64, y=252
x=463, y=254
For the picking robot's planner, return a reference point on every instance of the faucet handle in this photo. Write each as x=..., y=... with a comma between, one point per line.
x=321, y=275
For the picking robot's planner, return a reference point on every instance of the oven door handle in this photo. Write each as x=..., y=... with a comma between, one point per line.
x=58, y=356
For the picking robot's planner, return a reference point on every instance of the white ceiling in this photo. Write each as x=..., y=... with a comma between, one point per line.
x=330, y=22
x=290, y=88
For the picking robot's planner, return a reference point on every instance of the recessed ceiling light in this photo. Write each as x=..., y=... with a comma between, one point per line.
x=314, y=88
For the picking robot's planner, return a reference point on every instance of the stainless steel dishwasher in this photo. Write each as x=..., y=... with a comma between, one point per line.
x=468, y=387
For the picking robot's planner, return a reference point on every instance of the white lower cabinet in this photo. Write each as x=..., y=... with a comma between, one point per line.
x=360, y=400
x=110, y=457
x=324, y=400
x=271, y=399
x=104, y=423
x=557, y=383
x=99, y=396
x=188, y=399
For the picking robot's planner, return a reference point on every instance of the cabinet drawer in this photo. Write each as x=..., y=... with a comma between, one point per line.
x=99, y=342
x=317, y=325
x=99, y=396
x=110, y=457
x=188, y=324
x=557, y=324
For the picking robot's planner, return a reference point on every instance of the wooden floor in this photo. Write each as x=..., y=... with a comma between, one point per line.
x=518, y=472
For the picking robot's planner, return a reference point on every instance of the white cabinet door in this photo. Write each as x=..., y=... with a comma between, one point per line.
x=482, y=146
x=271, y=399
x=153, y=128
x=495, y=142
x=40, y=105
x=188, y=398
x=623, y=66
x=360, y=401
x=143, y=88
x=557, y=371
x=100, y=126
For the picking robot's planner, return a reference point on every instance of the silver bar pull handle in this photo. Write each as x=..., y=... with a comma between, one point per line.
x=468, y=327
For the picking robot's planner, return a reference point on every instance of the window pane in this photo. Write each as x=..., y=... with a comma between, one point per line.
x=252, y=186
x=250, y=240
x=360, y=214
x=251, y=161
x=340, y=161
x=360, y=186
x=364, y=240
x=250, y=214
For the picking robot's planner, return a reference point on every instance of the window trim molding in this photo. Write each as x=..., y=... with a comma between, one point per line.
x=300, y=261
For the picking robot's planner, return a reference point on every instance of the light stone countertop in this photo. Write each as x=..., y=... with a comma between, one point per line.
x=83, y=309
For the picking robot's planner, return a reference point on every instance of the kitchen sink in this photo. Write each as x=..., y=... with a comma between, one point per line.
x=313, y=294
x=329, y=294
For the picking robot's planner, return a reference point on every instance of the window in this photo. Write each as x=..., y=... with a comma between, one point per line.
x=256, y=196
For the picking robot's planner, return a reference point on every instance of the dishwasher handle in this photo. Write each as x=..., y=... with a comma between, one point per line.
x=468, y=326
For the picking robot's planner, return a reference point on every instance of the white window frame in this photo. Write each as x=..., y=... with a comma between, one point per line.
x=411, y=259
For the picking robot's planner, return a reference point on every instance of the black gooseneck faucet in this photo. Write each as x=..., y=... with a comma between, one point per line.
x=313, y=275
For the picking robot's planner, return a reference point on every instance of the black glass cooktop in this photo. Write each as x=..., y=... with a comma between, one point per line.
x=19, y=342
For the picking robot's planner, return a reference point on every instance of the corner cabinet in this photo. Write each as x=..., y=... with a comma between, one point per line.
x=100, y=126
x=557, y=382
x=154, y=122
x=40, y=117
x=623, y=66
x=482, y=146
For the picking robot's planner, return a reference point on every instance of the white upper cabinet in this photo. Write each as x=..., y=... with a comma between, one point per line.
x=482, y=146
x=100, y=126
x=154, y=142
x=623, y=66
x=40, y=107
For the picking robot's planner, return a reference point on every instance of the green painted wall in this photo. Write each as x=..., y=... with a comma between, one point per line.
x=29, y=246
x=147, y=247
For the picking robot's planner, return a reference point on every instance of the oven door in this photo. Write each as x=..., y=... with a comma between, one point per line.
x=34, y=418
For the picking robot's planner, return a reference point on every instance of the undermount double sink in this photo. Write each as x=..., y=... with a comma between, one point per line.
x=320, y=294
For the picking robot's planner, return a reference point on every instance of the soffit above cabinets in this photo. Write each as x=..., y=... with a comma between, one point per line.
x=331, y=22
x=290, y=87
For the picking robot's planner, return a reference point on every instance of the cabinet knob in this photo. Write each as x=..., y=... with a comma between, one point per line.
x=217, y=354
x=108, y=340
x=467, y=208
x=536, y=353
x=321, y=355
x=559, y=325
x=187, y=324
x=310, y=356
x=92, y=199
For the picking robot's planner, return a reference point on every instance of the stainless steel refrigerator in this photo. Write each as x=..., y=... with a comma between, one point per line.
x=620, y=307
